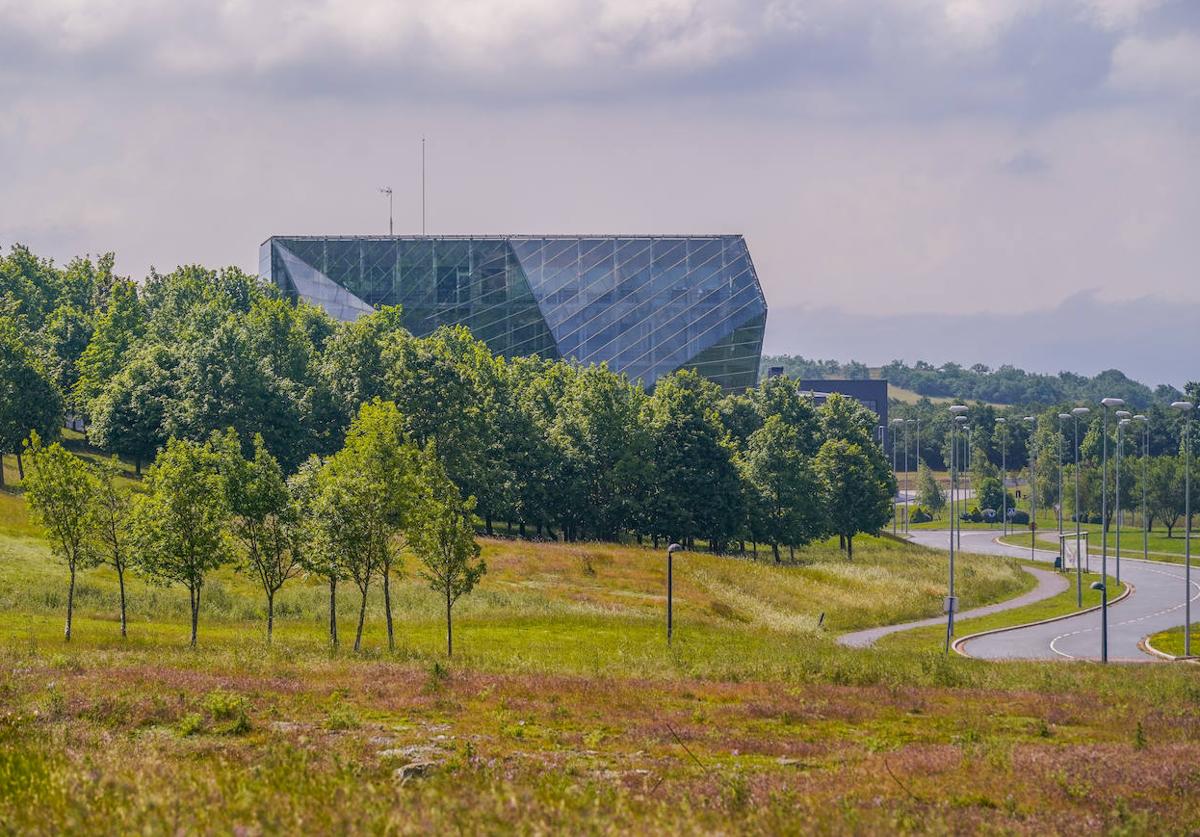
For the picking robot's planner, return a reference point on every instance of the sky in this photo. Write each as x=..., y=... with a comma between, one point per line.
x=972, y=180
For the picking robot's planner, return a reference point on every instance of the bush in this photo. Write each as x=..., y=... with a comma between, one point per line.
x=920, y=515
x=1019, y=516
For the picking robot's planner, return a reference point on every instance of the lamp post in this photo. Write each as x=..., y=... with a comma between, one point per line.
x=956, y=412
x=965, y=458
x=1031, y=453
x=1062, y=500
x=1001, y=423
x=896, y=422
x=1185, y=407
x=1107, y=404
x=387, y=190
x=671, y=550
x=1078, y=413
x=1122, y=422
x=1145, y=458
x=907, y=422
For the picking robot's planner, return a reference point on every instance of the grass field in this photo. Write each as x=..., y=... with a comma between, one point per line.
x=566, y=711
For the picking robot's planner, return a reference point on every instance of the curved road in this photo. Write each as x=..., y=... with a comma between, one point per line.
x=1155, y=605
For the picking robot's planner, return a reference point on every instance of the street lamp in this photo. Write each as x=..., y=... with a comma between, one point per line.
x=387, y=190
x=1122, y=421
x=956, y=412
x=1185, y=407
x=1078, y=413
x=1145, y=458
x=1062, y=501
x=1001, y=423
x=907, y=422
x=1031, y=454
x=962, y=424
x=1107, y=404
x=896, y=422
x=671, y=550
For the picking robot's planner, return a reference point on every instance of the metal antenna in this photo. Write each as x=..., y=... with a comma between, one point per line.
x=422, y=186
x=387, y=190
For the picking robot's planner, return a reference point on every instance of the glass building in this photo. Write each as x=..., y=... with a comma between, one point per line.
x=646, y=306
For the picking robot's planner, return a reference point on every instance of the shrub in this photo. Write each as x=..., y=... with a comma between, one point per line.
x=920, y=515
x=1019, y=516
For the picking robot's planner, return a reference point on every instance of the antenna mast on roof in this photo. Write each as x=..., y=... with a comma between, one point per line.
x=387, y=190
x=422, y=186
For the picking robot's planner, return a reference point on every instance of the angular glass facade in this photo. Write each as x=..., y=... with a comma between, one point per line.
x=645, y=305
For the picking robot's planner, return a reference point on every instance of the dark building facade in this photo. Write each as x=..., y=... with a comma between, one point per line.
x=646, y=306
x=872, y=394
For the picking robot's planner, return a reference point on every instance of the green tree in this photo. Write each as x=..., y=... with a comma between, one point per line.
x=265, y=519
x=1164, y=491
x=858, y=488
x=844, y=418
x=322, y=553
x=29, y=401
x=129, y=417
x=59, y=491
x=65, y=336
x=697, y=490
x=785, y=505
x=117, y=330
x=929, y=493
x=364, y=495
x=111, y=513
x=442, y=537
x=179, y=524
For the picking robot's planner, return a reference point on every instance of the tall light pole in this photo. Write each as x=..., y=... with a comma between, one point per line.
x=671, y=550
x=1001, y=423
x=1107, y=404
x=1145, y=457
x=1062, y=500
x=907, y=422
x=1122, y=422
x=1078, y=413
x=387, y=190
x=1185, y=407
x=1031, y=454
x=956, y=412
x=895, y=423
x=962, y=425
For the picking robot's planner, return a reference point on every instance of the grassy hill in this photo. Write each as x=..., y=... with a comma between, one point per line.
x=566, y=711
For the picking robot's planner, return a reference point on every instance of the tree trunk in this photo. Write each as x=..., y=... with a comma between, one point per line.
x=270, y=616
x=449, y=628
x=521, y=529
x=137, y=465
x=333, y=634
x=121, y=587
x=20, y=466
x=792, y=553
x=1, y=470
x=775, y=551
x=195, y=614
x=654, y=538
x=849, y=547
x=841, y=542
x=508, y=528
x=387, y=608
x=362, y=616
x=70, y=605
x=487, y=525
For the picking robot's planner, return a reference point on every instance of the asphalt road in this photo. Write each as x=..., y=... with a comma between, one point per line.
x=1156, y=604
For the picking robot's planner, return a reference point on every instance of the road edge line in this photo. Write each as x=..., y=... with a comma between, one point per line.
x=956, y=645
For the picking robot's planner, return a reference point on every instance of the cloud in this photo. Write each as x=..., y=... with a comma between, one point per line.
x=1168, y=65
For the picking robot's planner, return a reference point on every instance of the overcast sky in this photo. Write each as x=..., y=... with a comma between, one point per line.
x=885, y=159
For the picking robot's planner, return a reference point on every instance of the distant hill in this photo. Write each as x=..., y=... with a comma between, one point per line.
x=1005, y=385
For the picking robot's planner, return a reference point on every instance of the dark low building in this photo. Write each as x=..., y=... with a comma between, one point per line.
x=645, y=305
x=872, y=394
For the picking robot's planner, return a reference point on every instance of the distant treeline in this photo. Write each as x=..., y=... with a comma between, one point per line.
x=1005, y=385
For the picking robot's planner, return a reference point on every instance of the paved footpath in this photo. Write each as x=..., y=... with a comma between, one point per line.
x=1049, y=584
x=1156, y=604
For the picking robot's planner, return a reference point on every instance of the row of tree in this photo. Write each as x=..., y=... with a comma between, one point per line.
x=352, y=516
x=1005, y=385
x=556, y=449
